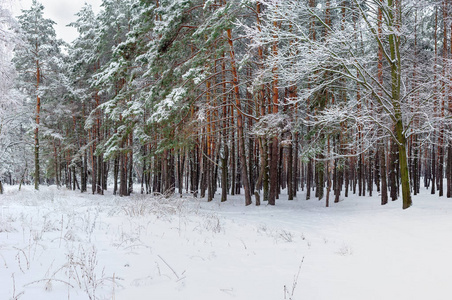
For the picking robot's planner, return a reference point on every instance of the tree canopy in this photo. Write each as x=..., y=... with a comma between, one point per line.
x=250, y=96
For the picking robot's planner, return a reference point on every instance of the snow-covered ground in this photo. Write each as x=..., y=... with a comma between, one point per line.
x=59, y=244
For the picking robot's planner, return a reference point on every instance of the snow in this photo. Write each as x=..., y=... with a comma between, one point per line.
x=59, y=244
x=164, y=108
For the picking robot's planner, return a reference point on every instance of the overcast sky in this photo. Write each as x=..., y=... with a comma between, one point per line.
x=62, y=12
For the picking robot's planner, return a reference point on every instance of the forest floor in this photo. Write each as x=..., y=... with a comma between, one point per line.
x=59, y=244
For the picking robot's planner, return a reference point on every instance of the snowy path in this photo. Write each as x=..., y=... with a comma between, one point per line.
x=64, y=245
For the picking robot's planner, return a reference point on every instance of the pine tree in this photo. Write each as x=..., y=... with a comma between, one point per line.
x=35, y=60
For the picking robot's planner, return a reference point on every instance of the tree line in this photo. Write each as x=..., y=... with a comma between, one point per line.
x=318, y=98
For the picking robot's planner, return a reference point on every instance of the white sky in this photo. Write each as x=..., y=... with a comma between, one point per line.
x=62, y=12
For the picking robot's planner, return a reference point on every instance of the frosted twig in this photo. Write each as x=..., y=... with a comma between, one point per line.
x=113, y=296
x=61, y=233
x=48, y=280
x=295, y=281
x=18, y=259
x=15, y=297
x=4, y=261
x=169, y=266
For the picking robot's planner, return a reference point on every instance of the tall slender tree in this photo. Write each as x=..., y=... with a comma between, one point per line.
x=36, y=59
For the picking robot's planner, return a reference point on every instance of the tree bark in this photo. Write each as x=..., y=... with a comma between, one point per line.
x=240, y=134
x=224, y=173
x=290, y=187
x=384, y=182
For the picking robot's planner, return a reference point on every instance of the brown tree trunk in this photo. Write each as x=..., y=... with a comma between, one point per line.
x=240, y=133
x=224, y=173
x=295, y=169
x=93, y=159
x=370, y=173
x=84, y=178
x=449, y=171
x=384, y=181
x=233, y=162
x=275, y=143
x=264, y=147
x=433, y=170
x=116, y=174
x=328, y=174
x=348, y=179
x=122, y=174
x=309, y=179
x=290, y=187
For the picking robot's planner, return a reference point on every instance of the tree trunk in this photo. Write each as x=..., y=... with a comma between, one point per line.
x=122, y=174
x=404, y=171
x=449, y=171
x=100, y=169
x=115, y=175
x=439, y=169
x=74, y=177
x=233, y=162
x=224, y=173
x=295, y=171
x=94, y=182
x=393, y=171
x=309, y=180
x=240, y=134
x=396, y=85
x=337, y=180
x=369, y=174
x=130, y=169
x=180, y=169
x=84, y=176
x=275, y=143
x=384, y=182
x=290, y=187
x=346, y=176
x=320, y=181
x=433, y=170
x=251, y=163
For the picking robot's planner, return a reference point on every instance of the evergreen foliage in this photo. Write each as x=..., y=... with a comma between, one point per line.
x=264, y=95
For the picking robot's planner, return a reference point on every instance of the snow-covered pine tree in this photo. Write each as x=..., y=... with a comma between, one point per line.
x=36, y=57
x=85, y=57
x=81, y=64
x=113, y=83
x=10, y=137
x=325, y=60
